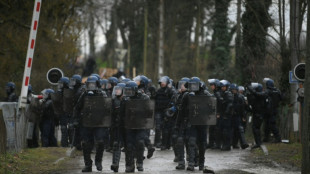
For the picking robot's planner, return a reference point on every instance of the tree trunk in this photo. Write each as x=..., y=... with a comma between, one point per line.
x=161, y=40
x=305, y=167
x=294, y=47
x=197, y=34
x=145, y=40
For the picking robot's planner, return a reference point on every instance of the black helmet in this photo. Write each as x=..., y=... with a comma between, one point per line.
x=193, y=84
x=10, y=87
x=63, y=83
x=118, y=89
x=257, y=86
x=130, y=89
x=224, y=83
x=104, y=83
x=164, y=79
x=113, y=81
x=91, y=83
x=125, y=80
x=75, y=80
x=182, y=82
x=214, y=82
x=46, y=93
x=270, y=83
x=233, y=86
x=94, y=74
x=141, y=80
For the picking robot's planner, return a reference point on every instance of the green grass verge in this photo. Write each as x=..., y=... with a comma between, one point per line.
x=38, y=160
x=287, y=155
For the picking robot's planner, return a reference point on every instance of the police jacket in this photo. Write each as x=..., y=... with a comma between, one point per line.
x=183, y=112
x=227, y=104
x=79, y=108
x=139, y=95
x=219, y=100
x=116, y=105
x=47, y=110
x=274, y=97
x=258, y=101
x=239, y=105
x=163, y=98
x=12, y=98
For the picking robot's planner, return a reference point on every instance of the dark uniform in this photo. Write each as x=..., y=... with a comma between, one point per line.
x=274, y=99
x=164, y=124
x=226, y=113
x=238, y=116
x=135, y=137
x=86, y=113
x=47, y=123
x=117, y=128
x=11, y=96
x=257, y=99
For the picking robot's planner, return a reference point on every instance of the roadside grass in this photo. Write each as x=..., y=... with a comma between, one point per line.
x=287, y=155
x=34, y=161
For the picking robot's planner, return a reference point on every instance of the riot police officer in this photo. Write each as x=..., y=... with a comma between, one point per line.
x=226, y=113
x=135, y=136
x=91, y=112
x=274, y=99
x=185, y=134
x=112, y=81
x=71, y=97
x=214, y=85
x=63, y=84
x=198, y=132
x=238, y=117
x=11, y=96
x=47, y=123
x=257, y=99
x=143, y=87
x=117, y=127
x=164, y=124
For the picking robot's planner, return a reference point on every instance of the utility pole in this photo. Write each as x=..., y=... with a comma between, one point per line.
x=305, y=167
x=294, y=47
x=161, y=40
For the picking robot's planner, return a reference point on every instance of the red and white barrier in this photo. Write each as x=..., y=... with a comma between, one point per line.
x=30, y=52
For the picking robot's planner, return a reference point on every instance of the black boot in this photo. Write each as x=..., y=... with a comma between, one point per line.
x=129, y=157
x=150, y=152
x=190, y=167
x=116, y=157
x=140, y=167
x=87, y=159
x=99, y=154
x=87, y=169
x=157, y=140
x=180, y=166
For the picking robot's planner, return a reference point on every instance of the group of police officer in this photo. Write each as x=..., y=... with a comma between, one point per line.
x=118, y=114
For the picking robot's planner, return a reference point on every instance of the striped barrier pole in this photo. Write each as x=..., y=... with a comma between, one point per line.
x=30, y=52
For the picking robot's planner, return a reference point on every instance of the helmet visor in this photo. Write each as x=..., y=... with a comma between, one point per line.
x=193, y=86
x=117, y=91
x=91, y=86
x=72, y=82
x=129, y=92
x=181, y=85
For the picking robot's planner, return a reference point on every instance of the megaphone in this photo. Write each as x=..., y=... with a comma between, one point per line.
x=300, y=71
x=53, y=75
